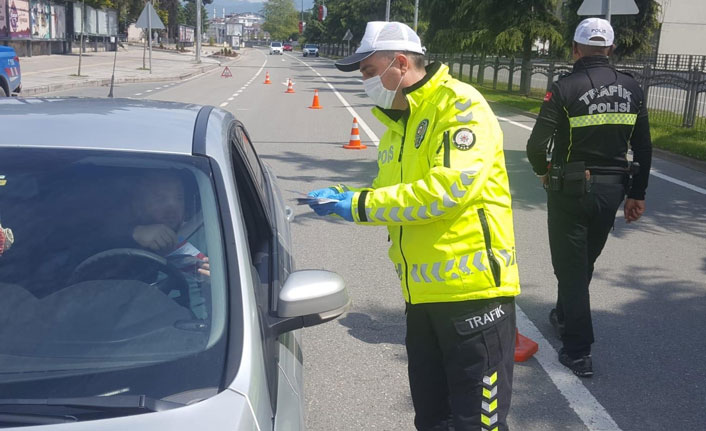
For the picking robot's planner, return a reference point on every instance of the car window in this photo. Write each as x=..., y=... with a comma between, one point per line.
x=260, y=235
x=276, y=44
x=115, y=281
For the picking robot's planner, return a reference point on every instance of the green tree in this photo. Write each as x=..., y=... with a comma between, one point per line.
x=634, y=34
x=190, y=15
x=355, y=14
x=281, y=19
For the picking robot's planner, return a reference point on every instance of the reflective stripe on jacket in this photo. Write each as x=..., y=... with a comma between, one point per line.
x=442, y=191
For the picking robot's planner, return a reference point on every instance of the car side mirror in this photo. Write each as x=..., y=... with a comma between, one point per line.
x=308, y=298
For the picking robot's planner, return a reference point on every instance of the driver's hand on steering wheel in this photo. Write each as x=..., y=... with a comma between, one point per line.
x=155, y=237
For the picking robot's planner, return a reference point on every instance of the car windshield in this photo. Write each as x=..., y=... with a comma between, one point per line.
x=114, y=279
x=276, y=45
x=310, y=46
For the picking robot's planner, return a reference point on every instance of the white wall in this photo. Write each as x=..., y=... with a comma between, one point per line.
x=683, y=27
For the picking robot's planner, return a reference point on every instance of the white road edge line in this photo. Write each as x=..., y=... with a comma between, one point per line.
x=363, y=125
x=653, y=171
x=686, y=185
x=580, y=399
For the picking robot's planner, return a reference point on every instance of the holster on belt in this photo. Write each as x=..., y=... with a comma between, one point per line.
x=574, y=179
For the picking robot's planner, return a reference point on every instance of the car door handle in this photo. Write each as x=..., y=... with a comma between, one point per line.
x=289, y=213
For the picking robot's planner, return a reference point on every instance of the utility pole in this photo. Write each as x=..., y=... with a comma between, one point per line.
x=149, y=31
x=198, y=31
x=387, y=11
x=416, y=14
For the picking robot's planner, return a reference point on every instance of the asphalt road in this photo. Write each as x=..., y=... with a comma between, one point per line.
x=648, y=291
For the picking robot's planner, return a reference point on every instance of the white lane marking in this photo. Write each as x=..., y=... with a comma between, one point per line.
x=254, y=77
x=158, y=88
x=363, y=125
x=148, y=91
x=138, y=94
x=231, y=98
x=588, y=409
x=514, y=123
x=653, y=171
x=686, y=185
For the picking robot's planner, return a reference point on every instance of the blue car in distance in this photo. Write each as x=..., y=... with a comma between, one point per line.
x=10, y=76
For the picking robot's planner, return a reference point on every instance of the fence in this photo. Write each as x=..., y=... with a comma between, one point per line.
x=674, y=85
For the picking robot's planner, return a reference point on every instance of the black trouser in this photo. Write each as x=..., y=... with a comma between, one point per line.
x=578, y=230
x=461, y=357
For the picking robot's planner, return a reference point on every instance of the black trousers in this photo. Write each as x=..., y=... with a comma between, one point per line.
x=578, y=230
x=461, y=357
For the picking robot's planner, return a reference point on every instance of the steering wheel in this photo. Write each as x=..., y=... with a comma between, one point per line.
x=133, y=264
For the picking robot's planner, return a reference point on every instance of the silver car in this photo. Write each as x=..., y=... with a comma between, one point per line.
x=147, y=280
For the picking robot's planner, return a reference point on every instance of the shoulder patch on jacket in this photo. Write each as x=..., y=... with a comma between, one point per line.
x=464, y=139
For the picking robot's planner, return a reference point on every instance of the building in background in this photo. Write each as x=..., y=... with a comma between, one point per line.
x=235, y=29
x=683, y=27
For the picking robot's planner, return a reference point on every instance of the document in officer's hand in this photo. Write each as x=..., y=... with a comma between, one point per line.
x=314, y=201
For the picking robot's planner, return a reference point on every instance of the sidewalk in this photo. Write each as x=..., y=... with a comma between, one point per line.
x=46, y=73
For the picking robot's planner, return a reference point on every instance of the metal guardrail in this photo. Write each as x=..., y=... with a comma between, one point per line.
x=674, y=85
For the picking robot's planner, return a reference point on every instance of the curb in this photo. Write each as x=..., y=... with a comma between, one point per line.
x=33, y=91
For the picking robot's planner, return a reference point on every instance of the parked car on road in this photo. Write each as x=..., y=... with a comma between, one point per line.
x=287, y=46
x=10, y=74
x=150, y=285
x=276, y=48
x=310, y=49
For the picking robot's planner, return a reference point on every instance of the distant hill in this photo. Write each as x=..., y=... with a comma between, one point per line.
x=242, y=6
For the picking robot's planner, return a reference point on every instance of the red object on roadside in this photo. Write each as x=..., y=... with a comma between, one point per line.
x=226, y=73
x=524, y=347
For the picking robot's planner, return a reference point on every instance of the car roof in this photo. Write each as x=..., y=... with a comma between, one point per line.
x=98, y=124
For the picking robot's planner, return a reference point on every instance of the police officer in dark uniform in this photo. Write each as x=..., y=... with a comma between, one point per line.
x=594, y=114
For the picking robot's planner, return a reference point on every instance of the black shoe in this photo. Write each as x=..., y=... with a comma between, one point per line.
x=582, y=367
x=556, y=324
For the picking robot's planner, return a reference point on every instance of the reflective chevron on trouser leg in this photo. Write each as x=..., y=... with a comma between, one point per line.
x=489, y=402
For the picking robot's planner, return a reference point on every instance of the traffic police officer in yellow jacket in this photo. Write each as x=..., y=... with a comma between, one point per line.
x=442, y=191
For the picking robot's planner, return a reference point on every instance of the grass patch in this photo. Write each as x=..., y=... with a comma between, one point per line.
x=680, y=140
x=528, y=104
x=688, y=142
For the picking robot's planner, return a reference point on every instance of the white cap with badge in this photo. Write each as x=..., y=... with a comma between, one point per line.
x=382, y=36
x=594, y=32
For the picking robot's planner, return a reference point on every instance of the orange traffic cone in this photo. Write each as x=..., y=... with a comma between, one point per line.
x=524, y=347
x=315, y=103
x=354, y=143
x=267, y=78
x=290, y=86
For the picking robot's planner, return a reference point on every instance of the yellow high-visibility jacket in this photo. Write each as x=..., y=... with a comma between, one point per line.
x=442, y=190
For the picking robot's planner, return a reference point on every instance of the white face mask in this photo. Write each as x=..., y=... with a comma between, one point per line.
x=378, y=93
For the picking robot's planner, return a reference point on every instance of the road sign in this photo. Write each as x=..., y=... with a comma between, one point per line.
x=348, y=35
x=605, y=7
x=142, y=21
x=226, y=73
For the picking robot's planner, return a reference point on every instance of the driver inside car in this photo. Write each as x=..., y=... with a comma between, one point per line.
x=156, y=223
x=158, y=206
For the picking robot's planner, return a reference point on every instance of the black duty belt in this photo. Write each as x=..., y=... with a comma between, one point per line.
x=608, y=179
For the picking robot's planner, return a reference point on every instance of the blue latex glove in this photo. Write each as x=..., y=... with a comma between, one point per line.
x=327, y=193
x=343, y=206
